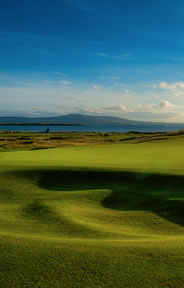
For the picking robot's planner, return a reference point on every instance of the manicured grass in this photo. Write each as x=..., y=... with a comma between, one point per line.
x=93, y=216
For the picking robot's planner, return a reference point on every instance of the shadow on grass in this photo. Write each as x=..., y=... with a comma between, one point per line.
x=160, y=194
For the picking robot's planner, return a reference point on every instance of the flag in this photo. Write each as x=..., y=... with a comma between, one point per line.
x=47, y=131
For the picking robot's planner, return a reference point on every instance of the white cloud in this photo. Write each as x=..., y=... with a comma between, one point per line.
x=156, y=96
x=89, y=110
x=167, y=86
x=175, y=89
x=115, y=110
x=97, y=88
x=146, y=108
x=171, y=86
x=59, y=73
x=166, y=104
x=121, y=57
x=150, y=112
x=154, y=86
x=179, y=93
x=180, y=84
x=64, y=82
x=103, y=55
x=128, y=101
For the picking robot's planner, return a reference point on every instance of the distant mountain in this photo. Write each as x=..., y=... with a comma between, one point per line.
x=69, y=119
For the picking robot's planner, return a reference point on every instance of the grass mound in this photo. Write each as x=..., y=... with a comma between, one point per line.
x=81, y=220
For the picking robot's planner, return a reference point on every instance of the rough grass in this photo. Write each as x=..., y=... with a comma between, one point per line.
x=93, y=216
x=21, y=140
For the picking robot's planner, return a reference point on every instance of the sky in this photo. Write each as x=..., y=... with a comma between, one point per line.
x=96, y=57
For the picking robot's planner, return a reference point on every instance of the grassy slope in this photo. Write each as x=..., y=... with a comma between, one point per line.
x=79, y=219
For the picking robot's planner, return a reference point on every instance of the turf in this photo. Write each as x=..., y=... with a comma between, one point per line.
x=93, y=216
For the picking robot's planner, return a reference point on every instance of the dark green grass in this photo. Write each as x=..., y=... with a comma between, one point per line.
x=80, y=220
x=48, y=250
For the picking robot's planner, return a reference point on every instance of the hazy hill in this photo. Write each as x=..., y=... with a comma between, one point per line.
x=70, y=118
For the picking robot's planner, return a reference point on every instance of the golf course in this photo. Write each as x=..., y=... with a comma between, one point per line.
x=104, y=214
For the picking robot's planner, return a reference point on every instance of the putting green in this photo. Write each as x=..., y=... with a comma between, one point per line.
x=93, y=216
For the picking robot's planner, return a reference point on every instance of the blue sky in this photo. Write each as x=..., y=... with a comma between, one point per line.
x=105, y=57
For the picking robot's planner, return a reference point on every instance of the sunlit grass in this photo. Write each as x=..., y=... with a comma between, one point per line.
x=93, y=216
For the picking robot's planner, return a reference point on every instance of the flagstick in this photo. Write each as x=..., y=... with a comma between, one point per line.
x=48, y=134
x=49, y=146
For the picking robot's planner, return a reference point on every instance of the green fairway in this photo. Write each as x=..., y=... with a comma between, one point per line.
x=93, y=216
